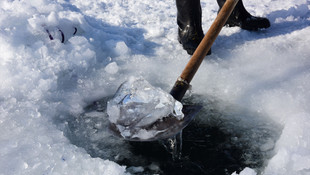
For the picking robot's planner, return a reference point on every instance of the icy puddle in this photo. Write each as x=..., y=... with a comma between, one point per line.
x=222, y=139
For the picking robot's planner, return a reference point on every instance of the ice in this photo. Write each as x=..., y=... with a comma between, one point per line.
x=136, y=169
x=52, y=19
x=246, y=171
x=43, y=82
x=111, y=68
x=137, y=105
x=121, y=48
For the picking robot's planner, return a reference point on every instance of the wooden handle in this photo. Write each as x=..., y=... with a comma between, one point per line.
x=182, y=84
x=206, y=43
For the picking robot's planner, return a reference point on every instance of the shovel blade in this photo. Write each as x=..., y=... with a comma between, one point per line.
x=167, y=128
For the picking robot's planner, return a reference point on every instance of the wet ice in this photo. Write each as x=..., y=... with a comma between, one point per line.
x=137, y=105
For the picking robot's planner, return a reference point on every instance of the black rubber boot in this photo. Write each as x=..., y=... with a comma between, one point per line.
x=189, y=22
x=242, y=18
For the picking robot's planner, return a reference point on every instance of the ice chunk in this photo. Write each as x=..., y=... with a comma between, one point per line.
x=134, y=170
x=111, y=68
x=137, y=105
x=246, y=171
x=121, y=48
x=53, y=19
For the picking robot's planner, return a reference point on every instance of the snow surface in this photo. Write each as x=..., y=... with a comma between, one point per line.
x=46, y=83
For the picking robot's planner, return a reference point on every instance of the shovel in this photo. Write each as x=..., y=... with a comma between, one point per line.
x=171, y=126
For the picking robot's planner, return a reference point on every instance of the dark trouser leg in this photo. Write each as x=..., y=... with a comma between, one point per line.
x=242, y=18
x=189, y=22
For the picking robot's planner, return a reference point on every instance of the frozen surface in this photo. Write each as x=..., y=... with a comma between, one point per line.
x=137, y=105
x=45, y=83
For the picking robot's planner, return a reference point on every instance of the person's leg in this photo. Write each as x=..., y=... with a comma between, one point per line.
x=242, y=18
x=189, y=22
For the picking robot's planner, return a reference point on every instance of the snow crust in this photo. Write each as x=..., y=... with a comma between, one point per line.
x=44, y=82
x=137, y=105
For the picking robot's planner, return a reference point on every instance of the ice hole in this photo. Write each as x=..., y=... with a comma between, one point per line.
x=215, y=142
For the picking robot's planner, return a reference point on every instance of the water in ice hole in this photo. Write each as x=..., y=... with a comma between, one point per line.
x=215, y=142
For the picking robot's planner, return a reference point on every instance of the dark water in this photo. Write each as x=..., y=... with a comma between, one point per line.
x=205, y=150
x=217, y=146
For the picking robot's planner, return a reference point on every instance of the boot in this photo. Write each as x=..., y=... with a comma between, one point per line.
x=241, y=18
x=189, y=21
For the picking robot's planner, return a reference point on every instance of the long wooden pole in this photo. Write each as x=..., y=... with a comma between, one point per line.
x=182, y=84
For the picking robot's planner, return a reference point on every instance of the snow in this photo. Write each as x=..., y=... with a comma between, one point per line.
x=46, y=83
x=137, y=105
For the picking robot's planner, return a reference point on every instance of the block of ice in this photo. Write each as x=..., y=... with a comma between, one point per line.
x=246, y=171
x=111, y=68
x=137, y=105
